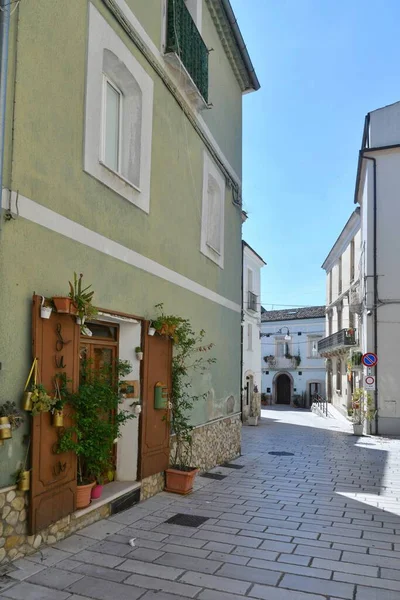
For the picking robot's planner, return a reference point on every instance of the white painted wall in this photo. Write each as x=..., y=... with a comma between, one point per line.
x=252, y=350
x=310, y=370
x=385, y=129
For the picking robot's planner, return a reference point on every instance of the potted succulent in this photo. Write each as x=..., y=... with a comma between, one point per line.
x=139, y=353
x=362, y=410
x=40, y=400
x=188, y=357
x=81, y=299
x=10, y=418
x=93, y=432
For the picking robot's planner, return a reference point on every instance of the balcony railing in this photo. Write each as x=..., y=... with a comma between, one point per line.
x=340, y=339
x=252, y=302
x=184, y=40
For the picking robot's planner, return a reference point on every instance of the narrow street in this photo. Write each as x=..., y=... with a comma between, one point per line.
x=320, y=521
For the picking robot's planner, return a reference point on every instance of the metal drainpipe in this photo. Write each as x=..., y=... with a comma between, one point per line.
x=4, y=35
x=376, y=295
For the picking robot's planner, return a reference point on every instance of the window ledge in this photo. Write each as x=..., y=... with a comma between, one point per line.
x=124, y=179
x=111, y=491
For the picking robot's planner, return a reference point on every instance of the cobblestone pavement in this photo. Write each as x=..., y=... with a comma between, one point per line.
x=319, y=523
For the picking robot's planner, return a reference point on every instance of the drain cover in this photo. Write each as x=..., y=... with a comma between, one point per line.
x=282, y=453
x=187, y=520
x=213, y=476
x=232, y=466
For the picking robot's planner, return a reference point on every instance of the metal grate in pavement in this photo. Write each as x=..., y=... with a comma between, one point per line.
x=186, y=520
x=232, y=466
x=282, y=453
x=213, y=476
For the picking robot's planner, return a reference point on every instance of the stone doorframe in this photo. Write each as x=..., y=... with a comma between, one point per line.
x=274, y=385
x=321, y=382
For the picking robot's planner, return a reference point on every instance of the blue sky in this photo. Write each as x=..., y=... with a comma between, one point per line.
x=322, y=64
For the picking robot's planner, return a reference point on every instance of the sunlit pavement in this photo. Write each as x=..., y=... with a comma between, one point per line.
x=319, y=521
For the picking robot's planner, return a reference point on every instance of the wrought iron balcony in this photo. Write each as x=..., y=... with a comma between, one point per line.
x=338, y=340
x=185, y=41
x=252, y=302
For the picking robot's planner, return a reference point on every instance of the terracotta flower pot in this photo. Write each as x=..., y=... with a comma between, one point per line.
x=97, y=491
x=62, y=304
x=83, y=495
x=5, y=428
x=180, y=482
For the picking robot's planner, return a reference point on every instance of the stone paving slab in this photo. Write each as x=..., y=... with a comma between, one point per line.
x=322, y=524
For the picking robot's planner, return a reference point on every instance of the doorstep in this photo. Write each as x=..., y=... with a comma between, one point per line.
x=111, y=492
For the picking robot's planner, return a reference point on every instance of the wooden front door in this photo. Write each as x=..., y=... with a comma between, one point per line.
x=283, y=389
x=154, y=432
x=55, y=343
x=101, y=351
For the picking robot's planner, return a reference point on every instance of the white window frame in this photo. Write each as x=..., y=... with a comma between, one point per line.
x=103, y=38
x=107, y=81
x=211, y=170
x=312, y=339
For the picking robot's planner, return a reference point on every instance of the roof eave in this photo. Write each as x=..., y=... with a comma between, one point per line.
x=226, y=23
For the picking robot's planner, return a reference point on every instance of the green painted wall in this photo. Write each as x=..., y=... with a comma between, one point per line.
x=33, y=258
x=47, y=164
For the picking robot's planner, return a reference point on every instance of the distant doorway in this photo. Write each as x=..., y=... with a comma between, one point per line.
x=283, y=389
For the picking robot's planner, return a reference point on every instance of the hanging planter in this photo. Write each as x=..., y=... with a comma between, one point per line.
x=139, y=353
x=152, y=331
x=10, y=418
x=62, y=304
x=5, y=428
x=81, y=300
x=80, y=320
x=45, y=310
x=58, y=418
x=23, y=480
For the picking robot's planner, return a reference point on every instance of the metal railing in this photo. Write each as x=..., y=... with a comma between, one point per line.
x=184, y=39
x=342, y=338
x=252, y=302
x=321, y=403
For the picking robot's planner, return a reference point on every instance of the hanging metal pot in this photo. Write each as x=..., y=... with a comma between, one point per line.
x=5, y=428
x=24, y=481
x=58, y=418
x=27, y=401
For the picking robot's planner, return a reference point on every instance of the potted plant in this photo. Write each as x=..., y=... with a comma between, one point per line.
x=188, y=357
x=97, y=422
x=152, y=330
x=139, y=353
x=166, y=324
x=81, y=299
x=362, y=410
x=10, y=418
x=270, y=360
x=62, y=304
x=60, y=398
x=40, y=400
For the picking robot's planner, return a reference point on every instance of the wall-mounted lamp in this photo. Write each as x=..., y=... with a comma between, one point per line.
x=288, y=337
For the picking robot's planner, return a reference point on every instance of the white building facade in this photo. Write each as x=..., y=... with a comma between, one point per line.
x=342, y=343
x=292, y=369
x=251, y=323
x=378, y=296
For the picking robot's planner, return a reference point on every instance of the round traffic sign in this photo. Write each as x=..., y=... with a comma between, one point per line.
x=370, y=380
x=369, y=359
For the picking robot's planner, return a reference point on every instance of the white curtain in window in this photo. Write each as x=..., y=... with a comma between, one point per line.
x=112, y=126
x=214, y=215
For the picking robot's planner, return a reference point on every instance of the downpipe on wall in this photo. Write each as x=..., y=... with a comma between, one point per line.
x=376, y=295
x=4, y=37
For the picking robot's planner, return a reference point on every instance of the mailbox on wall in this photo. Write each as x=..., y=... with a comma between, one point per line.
x=160, y=395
